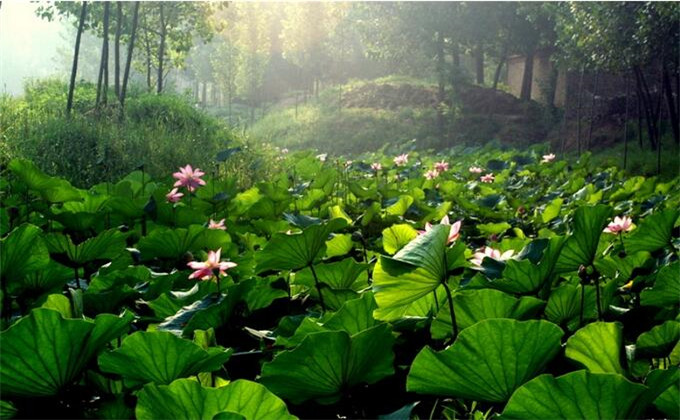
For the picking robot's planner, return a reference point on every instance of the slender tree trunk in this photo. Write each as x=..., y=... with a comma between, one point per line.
x=528, y=76
x=639, y=118
x=147, y=45
x=161, y=50
x=204, y=95
x=647, y=105
x=128, y=59
x=670, y=105
x=593, y=105
x=578, y=111
x=76, y=51
x=441, y=85
x=625, y=124
x=107, y=13
x=116, y=48
x=497, y=74
x=479, y=64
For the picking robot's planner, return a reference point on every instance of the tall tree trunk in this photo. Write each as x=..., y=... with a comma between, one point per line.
x=107, y=13
x=639, y=118
x=441, y=85
x=528, y=76
x=670, y=105
x=76, y=51
x=204, y=95
x=593, y=105
x=578, y=111
x=479, y=64
x=128, y=59
x=625, y=123
x=497, y=74
x=116, y=48
x=647, y=105
x=161, y=51
x=102, y=80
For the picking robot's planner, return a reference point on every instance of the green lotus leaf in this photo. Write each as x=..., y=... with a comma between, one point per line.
x=339, y=244
x=666, y=387
x=551, y=210
x=413, y=272
x=659, y=341
x=187, y=399
x=344, y=274
x=328, y=363
x=654, y=232
x=53, y=190
x=295, y=251
x=598, y=347
x=160, y=357
x=7, y=410
x=493, y=228
x=22, y=252
x=472, y=306
x=396, y=237
x=43, y=352
x=488, y=360
x=400, y=206
x=666, y=288
x=564, y=304
x=581, y=246
x=174, y=243
x=105, y=246
x=535, y=266
x=576, y=395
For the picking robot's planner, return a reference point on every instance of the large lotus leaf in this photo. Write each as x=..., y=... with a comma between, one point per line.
x=339, y=244
x=295, y=251
x=160, y=357
x=187, y=399
x=472, y=306
x=328, y=363
x=580, y=248
x=49, y=278
x=613, y=266
x=344, y=274
x=43, y=352
x=413, y=272
x=564, y=304
x=576, y=395
x=488, y=360
x=353, y=317
x=667, y=387
x=400, y=206
x=169, y=303
x=174, y=243
x=653, y=233
x=666, y=288
x=598, y=347
x=81, y=215
x=7, y=410
x=396, y=237
x=105, y=246
x=420, y=309
x=659, y=341
x=208, y=312
x=22, y=252
x=533, y=268
x=54, y=190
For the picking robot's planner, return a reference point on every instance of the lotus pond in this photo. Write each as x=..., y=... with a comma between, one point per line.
x=459, y=285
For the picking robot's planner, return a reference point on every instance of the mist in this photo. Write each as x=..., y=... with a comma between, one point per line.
x=29, y=46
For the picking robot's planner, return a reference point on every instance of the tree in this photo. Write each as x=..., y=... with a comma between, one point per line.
x=76, y=51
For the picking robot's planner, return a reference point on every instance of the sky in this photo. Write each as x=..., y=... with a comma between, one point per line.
x=28, y=45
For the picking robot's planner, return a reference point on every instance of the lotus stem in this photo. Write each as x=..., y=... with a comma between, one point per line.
x=449, y=298
x=597, y=297
x=318, y=287
x=583, y=298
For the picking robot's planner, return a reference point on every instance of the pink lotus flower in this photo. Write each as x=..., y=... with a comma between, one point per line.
x=376, y=166
x=489, y=252
x=401, y=159
x=475, y=170
x=441, y=166
x=348, y=163
x=210, y=267
x=173, y=196
x=217, y=225
x=488, y=178
x=620, y=224
x=189, y=178
x=431, y=174
x=322, y=157
x=548, y=158
x=454, y=232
